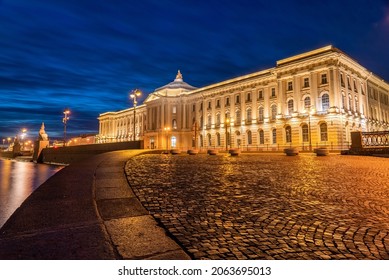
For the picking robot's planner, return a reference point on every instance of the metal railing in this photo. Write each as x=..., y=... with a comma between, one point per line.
x=378, y=139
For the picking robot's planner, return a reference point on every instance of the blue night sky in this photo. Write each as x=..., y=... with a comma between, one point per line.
x=88, y=54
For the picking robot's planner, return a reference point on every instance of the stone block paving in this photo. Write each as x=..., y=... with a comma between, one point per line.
x=268, y=206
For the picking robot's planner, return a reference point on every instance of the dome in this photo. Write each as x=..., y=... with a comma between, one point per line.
x=178, y=83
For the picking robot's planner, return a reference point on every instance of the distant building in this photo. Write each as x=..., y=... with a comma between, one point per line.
x=84, y=139
x=312, y=99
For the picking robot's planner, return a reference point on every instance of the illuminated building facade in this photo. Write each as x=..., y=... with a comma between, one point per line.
x=309, y=100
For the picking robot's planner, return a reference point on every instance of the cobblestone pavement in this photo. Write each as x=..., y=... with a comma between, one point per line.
x=268, y=206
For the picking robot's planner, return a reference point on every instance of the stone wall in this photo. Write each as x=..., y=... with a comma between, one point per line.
x=67, y=155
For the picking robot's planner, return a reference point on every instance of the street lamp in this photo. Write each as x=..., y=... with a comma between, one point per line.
x=65, y=119
x=134, y=94
x=167, y=129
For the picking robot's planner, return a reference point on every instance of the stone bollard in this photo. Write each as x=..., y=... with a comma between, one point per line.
x=291, y=151
x=321, y=151
x=234, y=152
x=212, y=152
x=193, y=152
x=175, y=151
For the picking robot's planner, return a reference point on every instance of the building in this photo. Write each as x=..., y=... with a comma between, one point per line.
x=309, y=100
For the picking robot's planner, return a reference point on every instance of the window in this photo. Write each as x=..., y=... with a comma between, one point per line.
x=174, y=124
x=307, y=102
x=325, y=101
x=248, y=113
x=209, y=138
x=261, y=137
x=356, y=104
x=355, y=86
x=201, y=141
x=218, y=103
x=218, y=119
x=350, y=103
x=323, y=132
x=174, y=109
x=194, y=108
x=237, y=99
x=201, y=106
x=273, y=92
x=306, y=82
x=343, y=100
x=248, y=97
x=227, y=101
x=324, y=79
x=249, y=138
x=218, y=142
x=273, y=112
x=173, y=141
x=290, y=107
x=288, y=134
x=260, y=114
x=290, y=86
x=305, y=133
x=348, y=83
x=209, y=120
x=274, y=136
x=238, y=118
x=260, y=95
x=209, y=105
x=341, y=80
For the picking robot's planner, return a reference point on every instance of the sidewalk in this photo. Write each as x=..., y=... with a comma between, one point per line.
x=86, y=211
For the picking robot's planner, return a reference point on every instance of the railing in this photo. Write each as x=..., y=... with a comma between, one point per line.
x=378, y=139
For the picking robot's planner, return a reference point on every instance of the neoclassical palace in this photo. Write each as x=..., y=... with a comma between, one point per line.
x=309, y=100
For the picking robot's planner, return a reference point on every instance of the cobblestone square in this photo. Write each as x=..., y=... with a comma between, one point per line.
x=268, y=206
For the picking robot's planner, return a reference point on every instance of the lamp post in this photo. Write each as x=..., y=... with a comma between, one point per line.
x=167, y=138
x=65, y=119
x=134, y=94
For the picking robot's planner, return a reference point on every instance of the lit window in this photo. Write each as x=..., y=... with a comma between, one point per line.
x=307, y=102
x=260, y=114
x=174, y=109
x=323, y=132
x=325, y=102
x=248, y=115
x=174, y=124
x=305, y=133
x=290, y=107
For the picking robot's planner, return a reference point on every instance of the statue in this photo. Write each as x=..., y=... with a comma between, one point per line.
x=42, y=134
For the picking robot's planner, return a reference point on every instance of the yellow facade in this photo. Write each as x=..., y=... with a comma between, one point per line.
x=308, y=100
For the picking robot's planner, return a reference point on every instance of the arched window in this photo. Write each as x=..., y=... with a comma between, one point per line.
x=260, y=114
x=350, y=103
x=288, y=134
x=274, y=136
x=238, y=118
x=248, y=113
x=273, y=112
x=290, y=107
x=174, y=124
x=307, y=102
x=209, y=121
x=249, y=138
x=209, y=138
x=305, y=132
x=325, y=101
x=218, y=119
x=323, y=132
x=261, y=137
x=218, y=139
